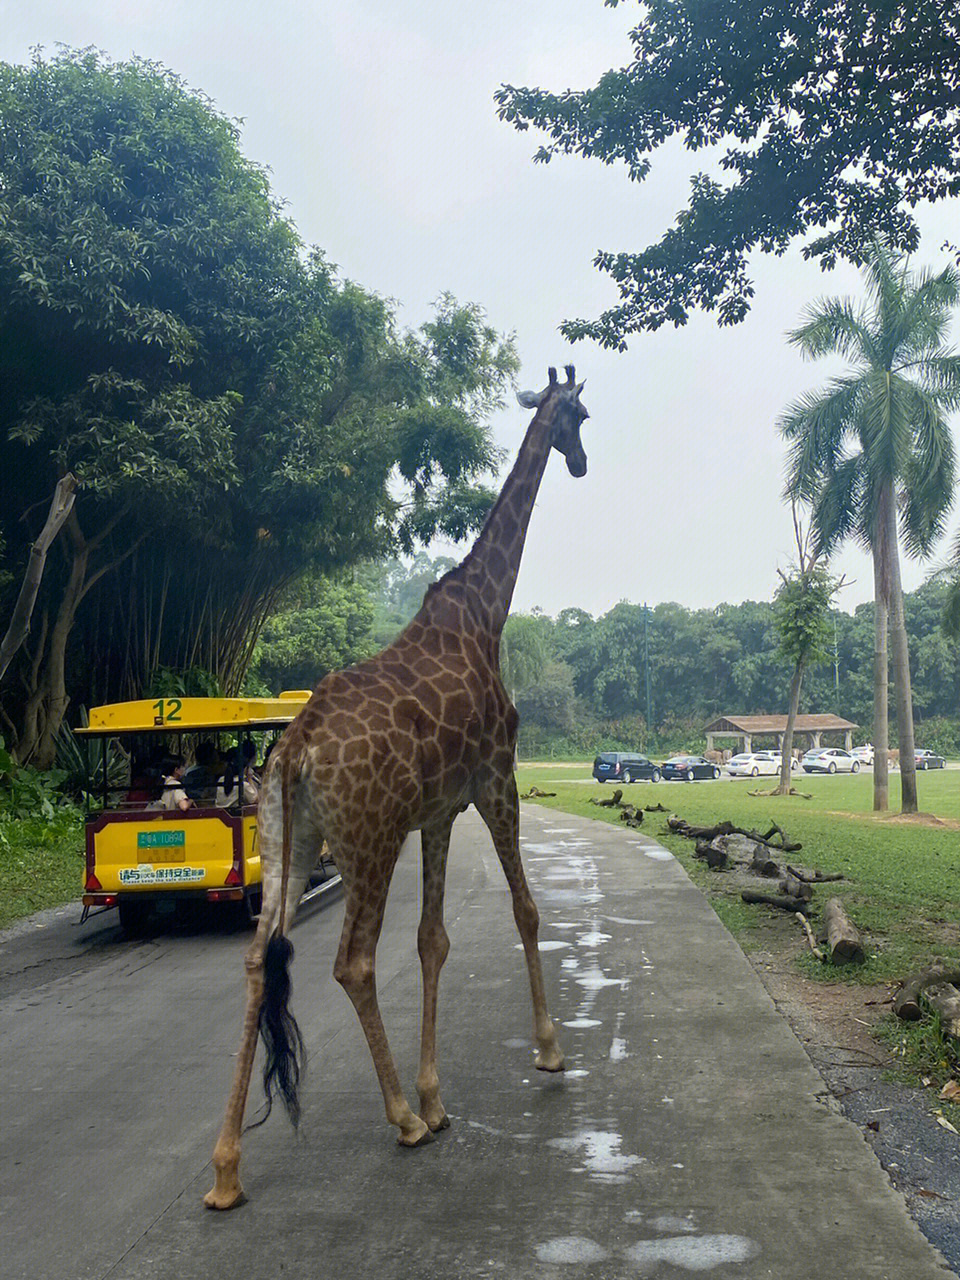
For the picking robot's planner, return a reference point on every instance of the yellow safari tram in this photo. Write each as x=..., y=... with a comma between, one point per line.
x=183, y=826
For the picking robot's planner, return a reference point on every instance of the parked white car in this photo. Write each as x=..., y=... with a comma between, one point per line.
x=752, y=764
x=830, y=760
x=864, y=754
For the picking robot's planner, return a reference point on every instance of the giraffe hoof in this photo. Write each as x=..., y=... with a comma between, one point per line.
x=435, y=1125
x=229, y=1198
x=552, y=1060
x=418, y=1136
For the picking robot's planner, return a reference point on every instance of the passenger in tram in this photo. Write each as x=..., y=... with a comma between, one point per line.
x=174, y=796
x=240, y=765
x=200, y=781
x=146, y=781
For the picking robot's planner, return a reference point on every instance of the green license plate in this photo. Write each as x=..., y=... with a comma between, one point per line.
x=161, y=839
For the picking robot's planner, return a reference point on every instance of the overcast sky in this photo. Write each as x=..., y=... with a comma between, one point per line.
x=376, y=119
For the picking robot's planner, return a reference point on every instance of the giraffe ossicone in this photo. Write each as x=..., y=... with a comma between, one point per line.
x=403, y=741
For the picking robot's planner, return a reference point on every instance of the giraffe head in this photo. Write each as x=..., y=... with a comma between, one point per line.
x=560, y=403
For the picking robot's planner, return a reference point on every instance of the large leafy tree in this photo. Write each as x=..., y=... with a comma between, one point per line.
x=325, y=624
x=831, y=122
x=873, y=455
x=233, y=413
x=525, y=649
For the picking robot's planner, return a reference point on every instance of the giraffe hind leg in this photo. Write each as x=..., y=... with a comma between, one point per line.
x=355, y=970
x=433, y=946
x=227, y=1191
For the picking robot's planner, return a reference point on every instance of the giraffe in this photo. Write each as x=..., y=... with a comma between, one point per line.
x=403, y=741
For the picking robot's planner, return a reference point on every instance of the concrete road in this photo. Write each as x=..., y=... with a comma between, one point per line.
x=689, y=1135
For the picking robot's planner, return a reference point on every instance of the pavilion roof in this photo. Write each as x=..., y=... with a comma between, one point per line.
x=777, y=724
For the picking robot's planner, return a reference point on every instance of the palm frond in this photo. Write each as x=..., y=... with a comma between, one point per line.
x=928, y=479
x=938, y=374
x=818, y=424
x=886, y=425
x=886, y=277
x=835, y=511
x=924, y=320
x=834, y=325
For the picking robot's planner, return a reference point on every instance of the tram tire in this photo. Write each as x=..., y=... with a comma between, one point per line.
x=133, y=916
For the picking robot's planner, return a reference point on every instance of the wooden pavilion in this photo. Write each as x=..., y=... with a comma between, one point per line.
x=746, y=728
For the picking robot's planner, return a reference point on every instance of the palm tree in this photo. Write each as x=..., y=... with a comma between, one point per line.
x=873, y=456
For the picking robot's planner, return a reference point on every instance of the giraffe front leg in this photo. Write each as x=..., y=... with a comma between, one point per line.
x=500, y=809
x=433, y=945
x=355, y=971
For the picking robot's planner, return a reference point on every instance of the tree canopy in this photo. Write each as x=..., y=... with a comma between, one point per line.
x=829, y=123
x=234, y=412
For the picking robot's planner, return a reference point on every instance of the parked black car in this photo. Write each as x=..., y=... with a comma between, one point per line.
x=688, y=768
x=620, y=766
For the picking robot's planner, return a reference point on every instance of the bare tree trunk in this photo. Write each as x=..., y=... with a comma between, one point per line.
x=63, y=499
x=787, y=744
x=901, y=672
x=26, y=739
x=881, y=727
x=55, y=674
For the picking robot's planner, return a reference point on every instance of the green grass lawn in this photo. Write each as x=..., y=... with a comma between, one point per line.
x=902, y=878
x=41, y=863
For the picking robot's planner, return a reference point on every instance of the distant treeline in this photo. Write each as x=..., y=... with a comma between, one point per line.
x=592, y=687
x=580, y=682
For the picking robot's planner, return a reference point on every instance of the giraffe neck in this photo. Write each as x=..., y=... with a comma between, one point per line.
x=491, y=567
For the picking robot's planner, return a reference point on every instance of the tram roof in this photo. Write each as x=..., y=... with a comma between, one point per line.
x=193, y=715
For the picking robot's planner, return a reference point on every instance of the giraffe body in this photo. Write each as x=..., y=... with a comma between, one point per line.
x=401, y=742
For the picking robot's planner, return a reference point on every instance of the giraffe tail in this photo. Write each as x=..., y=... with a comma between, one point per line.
x=285, y=1055
x=282, y=1041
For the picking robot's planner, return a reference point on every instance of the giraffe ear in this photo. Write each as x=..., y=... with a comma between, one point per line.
x=530, y=399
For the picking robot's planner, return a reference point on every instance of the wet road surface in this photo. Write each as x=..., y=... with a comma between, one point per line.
x=689, y=1135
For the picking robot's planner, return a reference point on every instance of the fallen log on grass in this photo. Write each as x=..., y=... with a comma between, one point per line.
x=804, y=795
x=795, y=888
x=944, y=999
x=771, y=900
x=906, y=1003
x=612, y=803
x=713, y=855
x=788, y=846
x=814, y=877
x=763, y=864
x=842, y=936
x=783, y=845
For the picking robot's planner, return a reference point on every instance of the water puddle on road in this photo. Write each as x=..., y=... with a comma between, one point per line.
x=600, y=1152
x=686, y=1252
x=694, y=1253
x=570, y=1249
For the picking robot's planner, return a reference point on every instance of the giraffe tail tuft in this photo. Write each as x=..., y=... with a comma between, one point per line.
x=285, y=1054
